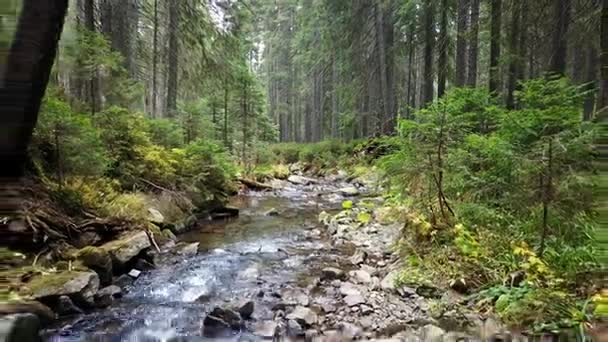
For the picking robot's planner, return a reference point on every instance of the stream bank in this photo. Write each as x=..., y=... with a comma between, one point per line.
x=278, y=271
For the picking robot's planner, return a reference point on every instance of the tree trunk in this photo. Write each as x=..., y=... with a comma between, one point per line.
x=442, y=64
x=411, y=83
x=514, y=58
x=560, y=43
x=523, y=42
x=461, y=43
x=429, y=38
x=155, y=59
x=591, y=78
x=496, y=14
x=473, y=44
x=381, y=51
x=173, y=59
x=226, y=142
x=23, y=84
x=603, y=98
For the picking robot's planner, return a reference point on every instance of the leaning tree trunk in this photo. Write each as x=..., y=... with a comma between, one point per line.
x=26, y=76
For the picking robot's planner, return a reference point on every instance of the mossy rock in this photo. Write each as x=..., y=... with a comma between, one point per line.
x=79, y=286
x=99, y=260
x=168, y=234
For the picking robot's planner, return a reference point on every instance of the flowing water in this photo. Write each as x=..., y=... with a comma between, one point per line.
x=254, y=256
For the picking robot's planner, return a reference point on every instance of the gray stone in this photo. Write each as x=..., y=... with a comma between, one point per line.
x=167, y=233
x=266, y=329
x=360, y=277
x=350, y=331
x=134, y=273
x=347, y=289
x=432, y=333
x=24, y=327
x=310, y=335
x=300, y=180
x=123, y=281
x=388, y=282
x=215, y=326
x=366, y=309
x=246, y=309
x=79, y=286
x=293, y=297
x=155, y=216
x=349, y=191
x=127, y=247
x=294, y=329
x=44, y=313
x=336, y=283
x=229, y=316
x=106, y=296
x=271, y=212
x=304, y=316
x=406, y=292
x=65, y=307
x=332, y=273
x=359, y=257
x=354, y=299
x=143, y=265
x=189, y=250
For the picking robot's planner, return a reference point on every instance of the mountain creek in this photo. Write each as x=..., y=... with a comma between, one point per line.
x=284, y=269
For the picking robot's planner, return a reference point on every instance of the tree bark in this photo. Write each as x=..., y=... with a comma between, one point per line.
x=173, y=59
x=473, y=44
x=442, y=63
x=496, y=14
x=154, y=59
x=591, y=78
x=514, y=55
x=429, y=38
x=560, y=42
x=23, y=84
x=603, y=98
x=461, y=42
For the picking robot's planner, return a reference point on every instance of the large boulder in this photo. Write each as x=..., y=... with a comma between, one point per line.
x=231, y=317
x=98, y=260
x=303, y=316
x=44, y=313
x=127, y=247
x=155, y=216
x=81, y=287
x=65, y=307
x=23, y=327
x=300, y=180
x=245, y=309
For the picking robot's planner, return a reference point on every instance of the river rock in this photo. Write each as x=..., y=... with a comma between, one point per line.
x=271, y=212
x=388, y=282
x=294, y=329
x=246, y=309
x=134, y=273
x=123, y=281
x=215, y=327
x=359, y=257
x=294, y=297
x=229, y=316
x=188, y=250
x=126, y=248
x=300, y=180
x=304, y=316
x=66, y=307
x=360, y=277
x=79, y=286
x=106, y=296
x=99, y=260
x=349, y=191
x=155, y=216
x=432, y=333
x=331, y=273
x=266, y=329
x=354, y=299
x=43, y=312
x=347, y=289
x=350, y=331
x=23, y=327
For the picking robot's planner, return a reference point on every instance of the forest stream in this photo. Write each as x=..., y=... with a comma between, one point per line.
x=277, y=255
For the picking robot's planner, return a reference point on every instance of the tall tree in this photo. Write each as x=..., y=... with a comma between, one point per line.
x=461, y=42
x=23, y=84
x=560, y=42
x=442, y=62
x=496, y=16
x=603, y=98
x=173, y=58
x=155, y=23
x=429, y=44
x=473, y=44
x=514, y=61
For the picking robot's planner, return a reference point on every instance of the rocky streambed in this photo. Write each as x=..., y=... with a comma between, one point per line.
x=288, y=268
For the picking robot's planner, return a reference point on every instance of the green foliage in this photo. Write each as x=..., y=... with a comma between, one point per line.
x=166, y=132
x=498, y=170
